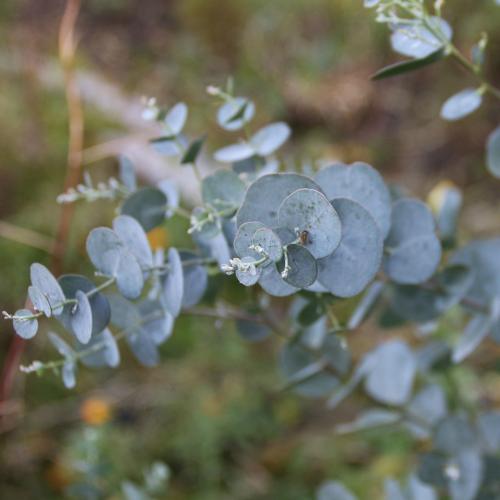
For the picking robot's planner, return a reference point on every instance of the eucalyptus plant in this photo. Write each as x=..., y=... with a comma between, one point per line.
x=333, y=236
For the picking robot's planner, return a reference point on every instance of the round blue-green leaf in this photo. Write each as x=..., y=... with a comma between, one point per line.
x=171, y=192
x=39, y=301
x=233, y=114
x=493, y=153
x=168, y=146
x=176, y=119
x=244, y=239
x=462, y=104
x=43, y=279
x=27, y=326
x=133, y=236
x=124, y=314
x=173, y=287
x=223, y=190
x=454, y=434
x=413, y=249
x=311, y=216
x=264, y=197
x=156, y=321
x=334, y=490
x=148, y=206
x=81, y=318
x=195, y=279
x=129, y=276
x=143, y=347
x=127, y=173
x=390, y=379
x=68, y=374
x=417, y=41
x=215, y=247
x=248, y=278
x=270, y=138
x=102, y=351
x=272, y=282
x=101, y=312
x=61, y=346
x=270, y=242
x=234, y=152
x=104, y=249
x=359, y=182
x=356, y=261
x=303, y=269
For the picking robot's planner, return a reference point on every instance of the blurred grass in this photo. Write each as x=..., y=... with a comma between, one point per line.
x=212, y=411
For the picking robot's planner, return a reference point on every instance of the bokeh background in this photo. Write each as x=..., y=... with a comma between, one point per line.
x=213, y=410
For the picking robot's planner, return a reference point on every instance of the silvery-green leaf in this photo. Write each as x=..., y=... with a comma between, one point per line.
x=233, y=114
x=193, y=151
x=390, y=379
x=129, y=276
x=252, y=331
x=215, y=247
x=303, y=371
x=488, y=425
x=447, y=217
x=369, y=419
x=61, y=346
x=156, y=321
x=413, y=249
x=264, y=197
x=417, y=490
x=308, y=212
x=244, y=239
x=127, y=173
x=68, y=374
x=173, y=288
x=167, y=146
x=272, y=282
x=303, y=269
x=270, y=138
x=234, y=152
x=171, y=192
x=359, y=182
x=269, y=241
x=334, y=350
x=417, y=41
x=250, y=277
x=475, y=332
x=431, y=469
x=39, y=301
x=462, y=104
x=101, y=313
x=465, y=474
x=25, y=328
x=124, y=314
x=453, y=435
x=493, y=153
x=143, y=347
x=106, y=351
x=176, y=118
x=223, y=190
x=349, y=269
x=333, y=490
x=133, y=236
x=148, y=206
x=393, y=490
x=426, y=409
x=81, y=318
x=104, y=248
x=195, y=280
x=43, y=279
x=365, y=305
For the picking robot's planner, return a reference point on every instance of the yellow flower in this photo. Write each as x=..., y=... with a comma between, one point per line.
x=95, y=411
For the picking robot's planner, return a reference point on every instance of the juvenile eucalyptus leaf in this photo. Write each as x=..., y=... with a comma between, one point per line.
x=244, y=239
x=270, y=243
x=43, y=279
x=106, y=351
x=264, y=197
x=61, y=346
x=365, y=305
x=148, y=206
x=27, y=326
x=104, y=249
x=167, y=145
x=176, y=118
x=68, y=374
x=235, y=152
x=133, y=236
x=233, y=114
x=462, y=104
x=127, y=173
x=488, y=425
x=309, y=213
x=171, y=192
x=193, y=151
x=426, y=409
x=448, y=213
x=466, y=470
x=302, y=267
x=370, y=419
x=39, y=301
x=124, y=313
x=333, y=490
x=223, y=190
x=195, y=280
x=417, y=490
x=393, y=490
x=359, y=182
x=453, y=435
x=475, y=332
x=417, y=41
x=143, y=347
x=173, y=287
x=129, y=275
x=349, y=269
x=272, y=282
x=390, y=379
x=493, y=153
x=156, y=321
x=270, y=138
x=431, y=469
x=250, y=277
x=81, y=318
x=413, y=249
x=101, y=312
x=215, y=247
